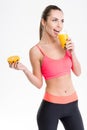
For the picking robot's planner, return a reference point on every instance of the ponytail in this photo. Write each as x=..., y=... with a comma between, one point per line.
x=40, y=30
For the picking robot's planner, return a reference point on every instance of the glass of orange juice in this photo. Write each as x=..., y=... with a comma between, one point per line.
x=62, y=38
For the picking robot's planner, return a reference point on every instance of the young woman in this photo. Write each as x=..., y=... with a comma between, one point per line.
x=49, y=59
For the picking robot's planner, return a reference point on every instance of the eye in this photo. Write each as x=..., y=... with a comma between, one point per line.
x=62, y=20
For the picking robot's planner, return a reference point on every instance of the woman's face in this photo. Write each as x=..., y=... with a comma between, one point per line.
x=54, y=23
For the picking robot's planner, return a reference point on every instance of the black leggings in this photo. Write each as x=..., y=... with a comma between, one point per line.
x=49, y=114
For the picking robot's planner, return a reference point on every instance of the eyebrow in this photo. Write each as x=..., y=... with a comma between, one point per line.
x=57, y=18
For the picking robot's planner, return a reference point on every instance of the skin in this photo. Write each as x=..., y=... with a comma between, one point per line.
x=57, y=86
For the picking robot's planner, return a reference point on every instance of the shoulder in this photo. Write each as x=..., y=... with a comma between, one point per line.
x=34, y=52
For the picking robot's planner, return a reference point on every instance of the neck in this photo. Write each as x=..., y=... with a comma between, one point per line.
x=48, y=39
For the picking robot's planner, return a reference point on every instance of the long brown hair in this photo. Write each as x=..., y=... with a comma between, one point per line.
x=45, y=15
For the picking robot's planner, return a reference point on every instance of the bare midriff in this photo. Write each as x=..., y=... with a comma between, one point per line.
x=60, y=88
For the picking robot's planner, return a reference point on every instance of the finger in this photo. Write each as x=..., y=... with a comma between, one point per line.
x=16, y=65
x=68, y=45
x=10, y=65
x=68, y=42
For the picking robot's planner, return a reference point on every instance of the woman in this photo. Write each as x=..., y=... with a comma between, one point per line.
x=50, y=60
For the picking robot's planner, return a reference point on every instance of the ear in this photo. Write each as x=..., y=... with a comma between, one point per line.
x=43, y=22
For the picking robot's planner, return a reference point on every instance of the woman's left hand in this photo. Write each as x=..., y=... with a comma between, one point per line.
x=70, y=45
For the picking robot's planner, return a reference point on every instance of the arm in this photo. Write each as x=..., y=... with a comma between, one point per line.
x=76, y=68
x=34, y=77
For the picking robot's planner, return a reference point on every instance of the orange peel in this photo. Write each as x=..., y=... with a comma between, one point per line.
x=13, y=59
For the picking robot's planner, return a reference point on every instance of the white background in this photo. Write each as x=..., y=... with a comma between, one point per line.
x=19, y=31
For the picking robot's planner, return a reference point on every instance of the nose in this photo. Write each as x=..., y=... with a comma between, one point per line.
x=59, y=24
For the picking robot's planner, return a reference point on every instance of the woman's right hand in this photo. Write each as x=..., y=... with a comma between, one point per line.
x=17, y=66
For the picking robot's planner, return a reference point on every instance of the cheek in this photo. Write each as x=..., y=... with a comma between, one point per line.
x=49, y=28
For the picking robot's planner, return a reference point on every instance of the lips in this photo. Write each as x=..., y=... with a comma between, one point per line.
x=56, y=31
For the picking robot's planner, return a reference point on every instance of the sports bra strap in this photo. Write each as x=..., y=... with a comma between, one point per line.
x=40, y=50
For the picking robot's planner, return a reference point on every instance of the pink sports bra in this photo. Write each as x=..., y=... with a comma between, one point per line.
x=52, y=68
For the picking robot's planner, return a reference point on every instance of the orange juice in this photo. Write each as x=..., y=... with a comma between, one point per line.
x=62, y=39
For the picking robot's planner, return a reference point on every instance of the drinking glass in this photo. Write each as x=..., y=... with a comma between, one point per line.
x=63, y=36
